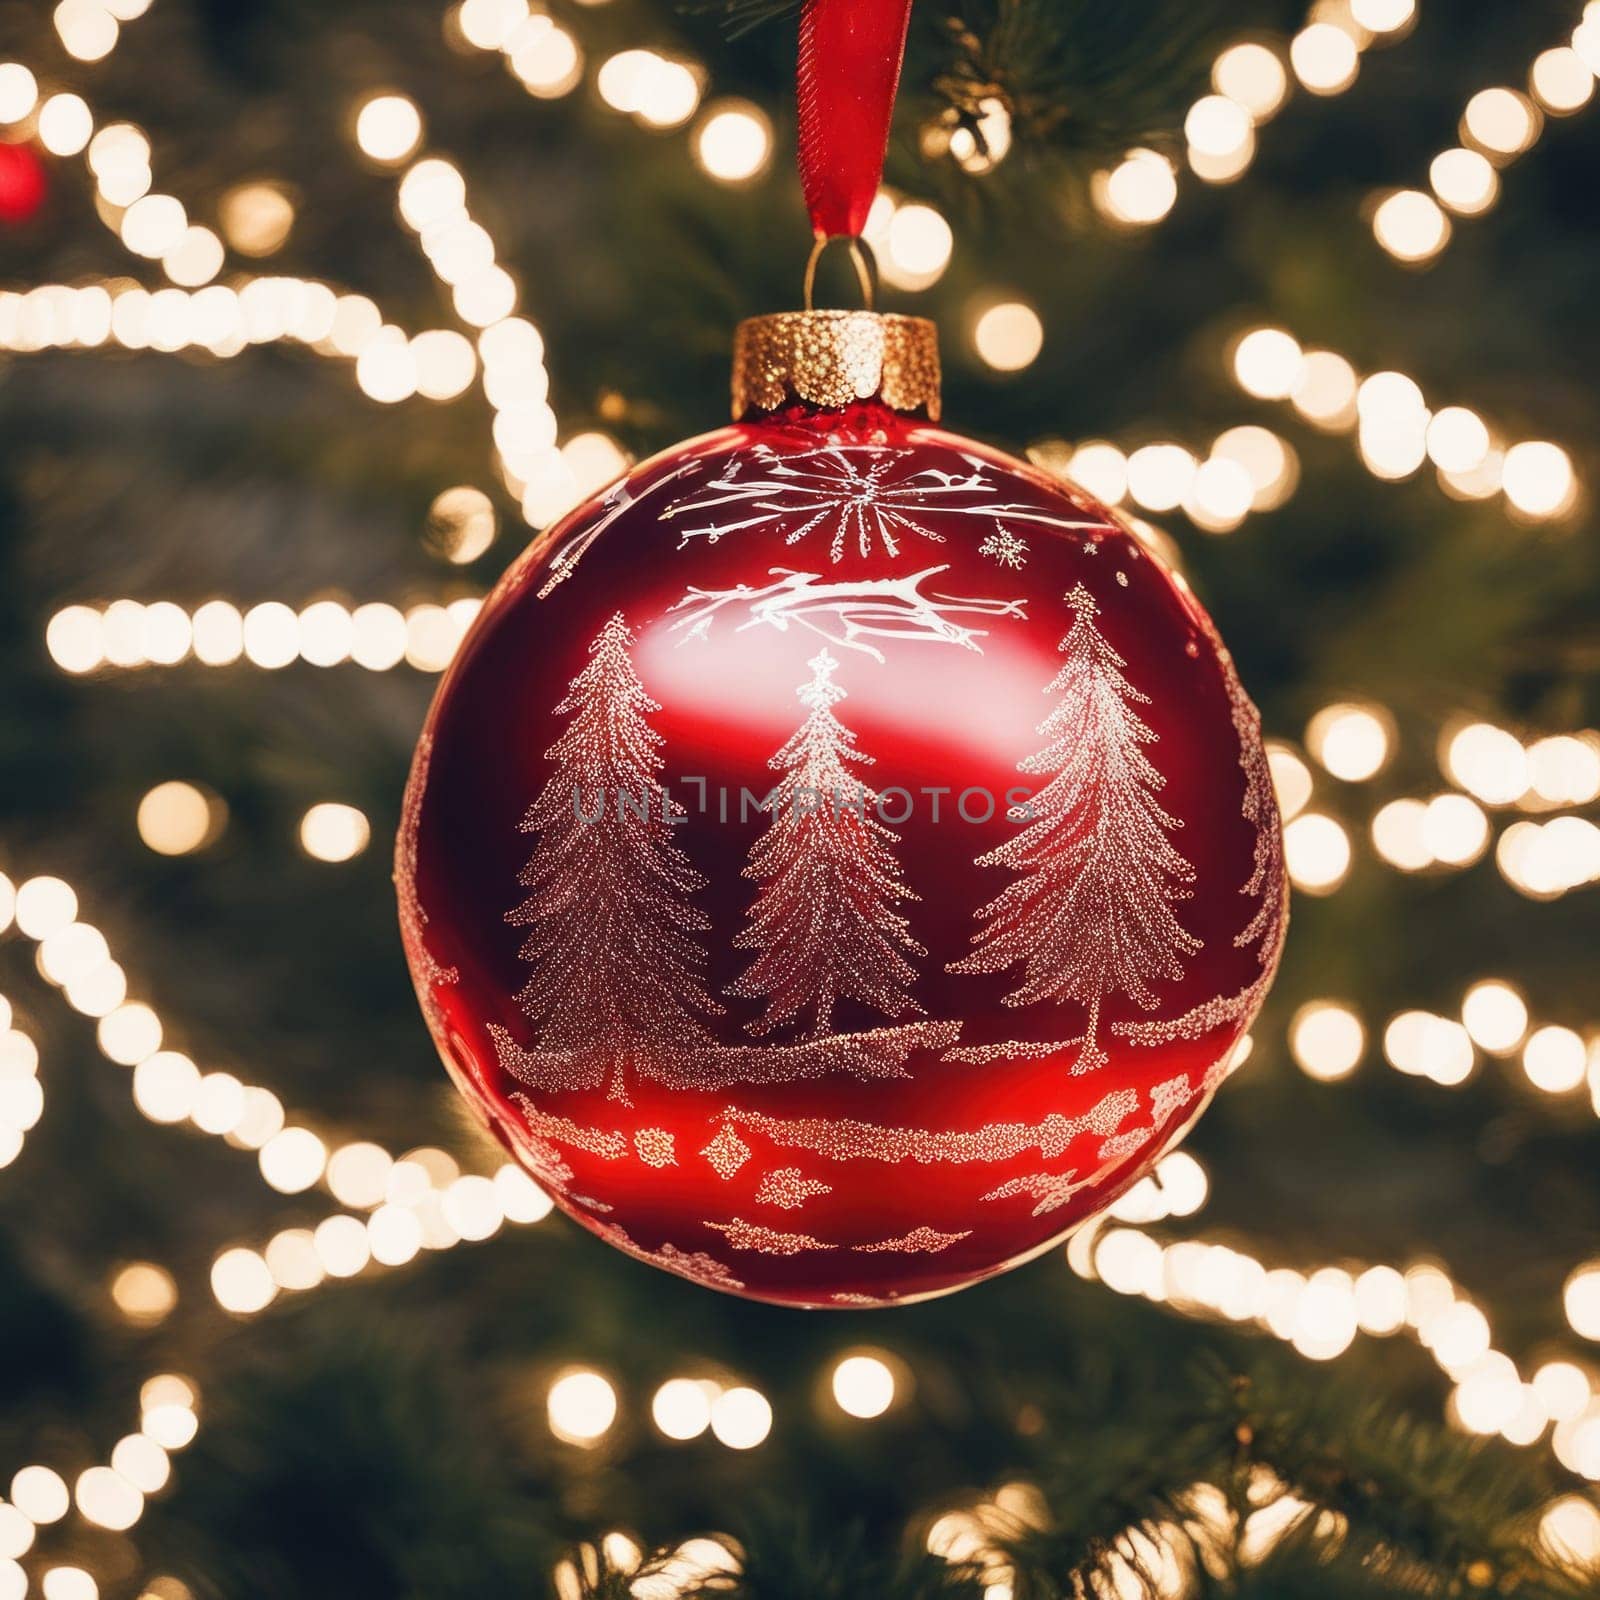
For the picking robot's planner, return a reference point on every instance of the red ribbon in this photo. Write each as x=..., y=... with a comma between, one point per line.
x=850, y=54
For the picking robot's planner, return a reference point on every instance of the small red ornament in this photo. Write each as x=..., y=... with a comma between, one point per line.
x=23, y=184
x=841, y=858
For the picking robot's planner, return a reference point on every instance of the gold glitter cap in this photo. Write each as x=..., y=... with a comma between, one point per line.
x=832, y=359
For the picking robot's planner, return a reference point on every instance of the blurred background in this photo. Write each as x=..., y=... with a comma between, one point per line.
x=309, y=316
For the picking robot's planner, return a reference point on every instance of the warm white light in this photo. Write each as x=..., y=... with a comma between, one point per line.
x=65, y=123
x=1464, y=180
x=1410, y=226
x=1100, y=468
x=342, y=1246
x=358, y=1174
x=490, y=24
x=1252, y=75
x=1220, y=495
x=142, y=1462
x=1317, y=851
x=741, y=1418
x=1555, y=1059
x=293, y=1160
x=107, y=1499
x=1272, y=465
x=195, y=259
x=40, y=1495
x=1565, y=771
x=1380, y=1301
x=1560, y=81
x=386, y=369
x=1495, y=1015
x=1454, y=829
x=129, y=1034
x=1140, y=190
x=165, y=1086
x=242, y=1282
x=379, y=640
x=734, y=141
x=1008, y=336
x=388, y=128
x=1500, y=121
x=521, y=1198
x=44, y=906
x=1561, y=1386
x=581, y=1407
x=154, y=225
x=88, y=31
x=863, y=1386
x=1423, y=1045
x=395, y=1233
x=19, y=91
x=1570, y=1532
x=333, y=832
x=1538, y=478
x=1327, y=1040
x=1581, y=1300
x=1267, y=363
x=461, y=524
x=174, y=818
x=472, y=1207
x=1160, y=475
x=918, y=247
x=445, y=363
x=1325, y=1316
x=256, y=218
x=1324, y=58
x=143, y=1292
x=668, y=95
x=546, y=60
x=1217, y=126
x=218, y=633
x=1351, y=741
x=1487, y=762
x=68, y=1583
x=1325, y=390
x=681, y=1408
x=271, y=635
x=1399, y=836
x=1383, y=16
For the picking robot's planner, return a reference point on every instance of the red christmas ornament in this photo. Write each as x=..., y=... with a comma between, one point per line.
x=22, y=183
x=841, y=858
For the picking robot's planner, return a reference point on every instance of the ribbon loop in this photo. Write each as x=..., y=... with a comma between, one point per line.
x=849, y=69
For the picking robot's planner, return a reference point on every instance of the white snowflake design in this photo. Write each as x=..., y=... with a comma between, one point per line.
x=1006, y=548
x=865, y=495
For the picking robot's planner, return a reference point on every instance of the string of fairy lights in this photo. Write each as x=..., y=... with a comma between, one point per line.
x=397, y=1208
x=1498, y=125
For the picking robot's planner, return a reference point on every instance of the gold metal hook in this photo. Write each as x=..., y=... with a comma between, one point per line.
x=860, y=259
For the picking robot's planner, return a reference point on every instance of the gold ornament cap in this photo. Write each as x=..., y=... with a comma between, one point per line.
x=834, y=359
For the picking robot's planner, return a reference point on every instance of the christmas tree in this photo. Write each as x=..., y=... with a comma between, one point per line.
x=310, y=317
x=1092, y=912
x=824, y=924
x=617, y=967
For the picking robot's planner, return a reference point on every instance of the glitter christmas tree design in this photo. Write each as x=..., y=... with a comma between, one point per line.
x=1092, y=911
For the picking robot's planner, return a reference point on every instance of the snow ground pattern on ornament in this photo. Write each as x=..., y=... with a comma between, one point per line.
x=864, y=496
x=1092, y=911
x=848, y=614
x=847, y=1139
x=1050, y=1190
